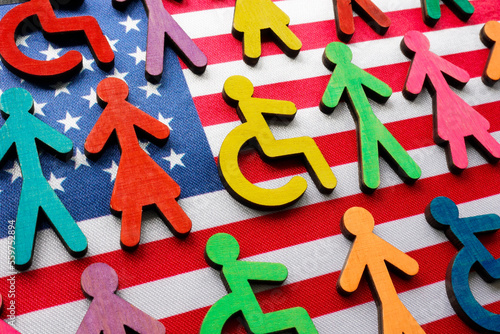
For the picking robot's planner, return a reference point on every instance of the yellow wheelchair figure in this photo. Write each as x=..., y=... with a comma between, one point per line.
x=238, y=92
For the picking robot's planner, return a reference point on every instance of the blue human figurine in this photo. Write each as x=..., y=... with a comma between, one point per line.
x=222, y=253
x=22, y=130
x=442, y=214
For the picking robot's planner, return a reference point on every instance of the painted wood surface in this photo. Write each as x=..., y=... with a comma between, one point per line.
x=238, y=92
x=221, y=253
x=370, y=255
x=366, y=9
x=431, y=10
x=108, y=313
x=442, y=213
x=140, y=181
x=79, y=28
x=358, y=85
x=251, y=17
x=4, y=327
x=163, y=28
x=454, y=119
x=22, y=131
x=490, y=34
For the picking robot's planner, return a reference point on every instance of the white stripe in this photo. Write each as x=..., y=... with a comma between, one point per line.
x=201, y=288
x=220, y=21
x=219, y=208
x=313, y=123
x=308, y=64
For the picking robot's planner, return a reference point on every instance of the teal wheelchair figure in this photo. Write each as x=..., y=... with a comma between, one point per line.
x=442, y=214
x=23, y=131
x=222, y=253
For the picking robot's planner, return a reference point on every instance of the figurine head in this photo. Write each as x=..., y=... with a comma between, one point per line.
x=416, y=41
x=441, y=213
x=110, y=90
x=99, y=278
x=356, y=221
x=221, y=249
x=16, y=101
x=237, y=88
x=338, y=53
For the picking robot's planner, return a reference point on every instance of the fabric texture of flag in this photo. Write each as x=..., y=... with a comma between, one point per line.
x=167, y=277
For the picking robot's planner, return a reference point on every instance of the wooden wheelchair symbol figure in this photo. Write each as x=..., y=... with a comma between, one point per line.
x=238, y=92
x=442, y=214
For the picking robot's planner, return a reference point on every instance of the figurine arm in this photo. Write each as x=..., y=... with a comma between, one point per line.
x=377, y=89
x=151, y=127
x=415, y=79
x=278, y=107
x=488, y=223
x=265, y=271
x=400, y=261
x=453, y=72
x=99, y=135
x=5, y=141
x=332, y=95
x=351, y=273
x=52, y=138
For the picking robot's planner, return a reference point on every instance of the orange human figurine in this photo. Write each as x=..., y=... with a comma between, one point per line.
x=372, y=253
x=140, y=181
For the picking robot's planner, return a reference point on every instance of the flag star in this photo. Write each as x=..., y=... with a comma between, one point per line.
x=55, y=183
x=92, y=98
x=21, y=40
x=15, y=171
x=61, y=88
x=117, y=74
x=151, y=89
x=138, y=55
x=80, y=159
x=69, y=122
x=51, y=53
x=87, y=64
x=112, y=43
x=165, y=121
x=38, y=108
x=175, y=159
x=113, y=170
x=130, y=24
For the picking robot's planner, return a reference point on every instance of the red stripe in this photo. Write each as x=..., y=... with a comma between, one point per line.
x=319, y=297
x=186, y=6
x=169, y=257
x=213, y=110
x=315, y=35
x=411, y=133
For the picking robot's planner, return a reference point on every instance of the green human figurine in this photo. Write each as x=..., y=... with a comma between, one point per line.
x=372, y=134
x=431, y=10
x=23, y=130
x=222, y=253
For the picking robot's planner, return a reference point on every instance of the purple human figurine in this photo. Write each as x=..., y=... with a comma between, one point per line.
x=161, y=23
x=109, y=313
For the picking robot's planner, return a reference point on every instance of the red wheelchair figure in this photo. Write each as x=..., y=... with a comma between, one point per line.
x=60, y=69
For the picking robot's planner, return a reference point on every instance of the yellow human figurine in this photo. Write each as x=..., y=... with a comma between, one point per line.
x=238, y=92
x=252, y=16
x=371, y=253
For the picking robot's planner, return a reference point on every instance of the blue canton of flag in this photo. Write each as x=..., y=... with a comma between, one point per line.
x=84, y=186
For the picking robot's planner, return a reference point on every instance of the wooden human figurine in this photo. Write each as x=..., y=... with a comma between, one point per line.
x=4, y=327
x=253, y=16
x=162, y=27
x=344, y=20
x=371, y=254
x=222, y=253
x=431, y=10
x=238, y=92
x=372, y=134
x=442, y=213
x=140, y=181
x=489, y=35
x=108, y=313
x=22, y=130
x=454, y=119
x=83, y=28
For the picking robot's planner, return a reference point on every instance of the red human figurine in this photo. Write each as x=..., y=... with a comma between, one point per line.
x=140, y=181
x=109, y=313
x=62, y=68
x=161, y=27
x=4, y=327
x=454, y=119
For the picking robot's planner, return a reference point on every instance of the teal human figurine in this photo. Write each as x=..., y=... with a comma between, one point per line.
x=442, y=214
x=222, y=253
x=372, y=134
x=22, y=130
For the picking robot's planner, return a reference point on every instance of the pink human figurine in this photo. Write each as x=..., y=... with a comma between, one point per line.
x=454, y=119
x=109, y=313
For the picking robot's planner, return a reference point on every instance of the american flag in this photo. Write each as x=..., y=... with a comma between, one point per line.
x=168, y=278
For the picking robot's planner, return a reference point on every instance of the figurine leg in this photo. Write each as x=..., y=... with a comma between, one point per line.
x=289, y=39
x=131, y=227
x=155, y=53
x=294, y=318
x=172, y=212
x=458, y=153
x=26, y=221
x=489, y=143
x=251, y=45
